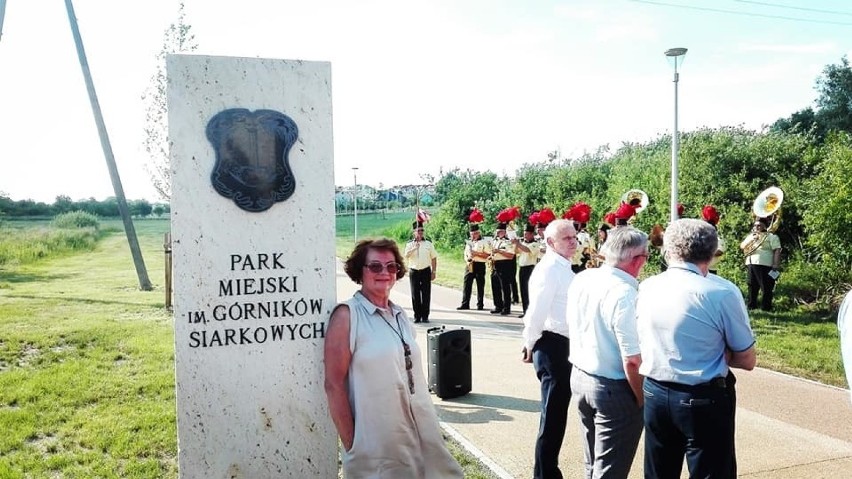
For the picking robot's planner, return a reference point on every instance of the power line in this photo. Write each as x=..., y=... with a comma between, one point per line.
x=805, y=9
x=748, y=14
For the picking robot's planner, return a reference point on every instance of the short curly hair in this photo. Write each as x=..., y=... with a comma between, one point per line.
x=354, y=265
x=690, y=241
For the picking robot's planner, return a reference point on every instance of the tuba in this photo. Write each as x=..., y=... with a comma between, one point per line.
x=766, y=205
x=638, y=199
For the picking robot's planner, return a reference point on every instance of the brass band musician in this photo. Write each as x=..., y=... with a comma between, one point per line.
x=477, y=250
x=503, y=255
x=529, y=251
x=763, y=259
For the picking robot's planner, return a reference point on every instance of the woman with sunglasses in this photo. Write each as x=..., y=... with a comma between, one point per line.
x=374, y=383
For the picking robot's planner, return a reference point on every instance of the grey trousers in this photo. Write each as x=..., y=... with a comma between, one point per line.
x=611, y=423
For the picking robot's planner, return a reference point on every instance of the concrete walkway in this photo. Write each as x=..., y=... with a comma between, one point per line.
x=786, y=427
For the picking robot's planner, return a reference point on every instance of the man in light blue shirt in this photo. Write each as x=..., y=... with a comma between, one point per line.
x=546, y=343
x=844, y=324
x=691, y=330
x=605, y=354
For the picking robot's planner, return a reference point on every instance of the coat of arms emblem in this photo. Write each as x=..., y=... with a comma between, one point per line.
x=252, y=165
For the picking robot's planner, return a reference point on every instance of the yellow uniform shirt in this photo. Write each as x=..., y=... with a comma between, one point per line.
x=531, y=258
x=764, y=254
x=419, y=254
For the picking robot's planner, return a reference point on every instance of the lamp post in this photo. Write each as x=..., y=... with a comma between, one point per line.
x=675, y=56
x=355, y=200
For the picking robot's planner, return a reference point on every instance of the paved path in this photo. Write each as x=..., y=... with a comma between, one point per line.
x=786, y=427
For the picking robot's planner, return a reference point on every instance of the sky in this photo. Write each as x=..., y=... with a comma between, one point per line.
x=418, y=88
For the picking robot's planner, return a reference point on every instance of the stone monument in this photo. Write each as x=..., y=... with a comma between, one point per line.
x=252, y=211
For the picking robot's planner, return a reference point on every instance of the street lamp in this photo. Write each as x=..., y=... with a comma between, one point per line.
x=675, y=56
x=355, y=200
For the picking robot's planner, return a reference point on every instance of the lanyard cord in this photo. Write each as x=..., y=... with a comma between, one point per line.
x=405, y=348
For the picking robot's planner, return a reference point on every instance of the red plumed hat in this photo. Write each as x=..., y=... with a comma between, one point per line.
x=505, y=215
x=581, y=212
x=710, y=214
x=609, y=218
x=534, y=218
x=476, y=216
x=545, y=216
x=625, y=212
x=568, y=215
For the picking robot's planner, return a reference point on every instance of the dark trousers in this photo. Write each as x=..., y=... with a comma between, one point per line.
x=421, y=292
x=550, y=359
x=759, y=280
x=731, y=382
x=525, y=273
x=477, y=274
x=501, y=285
x=515, y=297
x=691, y=421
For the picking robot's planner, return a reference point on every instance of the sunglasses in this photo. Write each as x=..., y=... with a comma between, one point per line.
x=377, y=267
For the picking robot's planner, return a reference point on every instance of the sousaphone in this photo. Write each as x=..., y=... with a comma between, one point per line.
x=766, y=205
x=638, y=199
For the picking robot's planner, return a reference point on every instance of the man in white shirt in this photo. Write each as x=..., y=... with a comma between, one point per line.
x=844, y=324
x=605, y=354
x=546, y=342
x=692, y=329
x=422, y=259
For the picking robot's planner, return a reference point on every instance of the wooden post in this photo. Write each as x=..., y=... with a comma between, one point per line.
x=167, y=248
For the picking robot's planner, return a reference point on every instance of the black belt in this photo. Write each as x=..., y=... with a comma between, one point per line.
x=719, y=382
x=422, y=269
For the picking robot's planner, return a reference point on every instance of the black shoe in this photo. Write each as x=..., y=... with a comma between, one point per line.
x=504, y=313
x=416, y=320
x=521, y=315
x=496, y=311
x=463, y=307
x=480, y=307
x=425, y=321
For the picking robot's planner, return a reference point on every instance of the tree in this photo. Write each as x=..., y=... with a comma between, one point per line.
x=834, y=106
x=835, y=97
x=177, y=38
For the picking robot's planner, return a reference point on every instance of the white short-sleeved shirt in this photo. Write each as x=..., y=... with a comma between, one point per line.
x=686, y=322
x=602, y=321
x=844, y=324
x=548, y=288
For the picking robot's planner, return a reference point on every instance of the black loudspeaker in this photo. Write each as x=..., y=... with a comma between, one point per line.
x=449, y=362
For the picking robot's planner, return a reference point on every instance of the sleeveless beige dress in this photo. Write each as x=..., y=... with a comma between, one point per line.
x=397, y=435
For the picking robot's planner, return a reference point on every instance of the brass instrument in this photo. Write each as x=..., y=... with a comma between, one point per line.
x=656, y=235
x=767, y=203
x=595, y=258
x=636, y=198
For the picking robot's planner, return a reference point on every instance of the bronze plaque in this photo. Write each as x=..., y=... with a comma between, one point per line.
x=252, y=165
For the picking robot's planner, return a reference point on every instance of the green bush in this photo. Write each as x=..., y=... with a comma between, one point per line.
x=23, y=246
x=76, y=219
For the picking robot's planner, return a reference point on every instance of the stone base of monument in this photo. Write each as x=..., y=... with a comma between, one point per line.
x=252, y=213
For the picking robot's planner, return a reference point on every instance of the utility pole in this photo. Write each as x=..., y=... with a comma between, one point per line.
x=2, y=14
x=138, y=262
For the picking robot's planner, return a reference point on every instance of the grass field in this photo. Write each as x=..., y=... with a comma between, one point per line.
x=87, y=359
